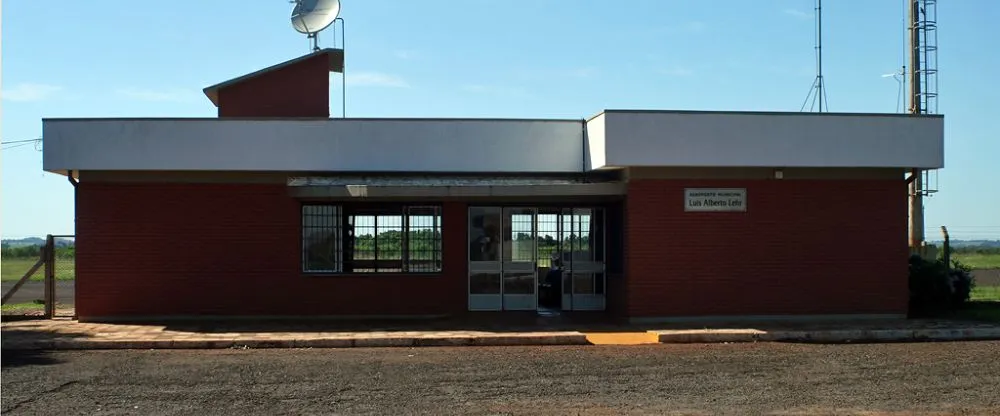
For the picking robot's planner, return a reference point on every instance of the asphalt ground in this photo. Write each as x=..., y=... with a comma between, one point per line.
x=31, y=291
x=924, y=378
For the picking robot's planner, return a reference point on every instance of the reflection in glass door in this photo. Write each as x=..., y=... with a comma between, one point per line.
x=519, y=259
x=502, y=259
x=484, y=259
x=582, y=242
x=509, y=247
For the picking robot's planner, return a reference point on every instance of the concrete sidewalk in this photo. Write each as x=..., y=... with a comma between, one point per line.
x=65, y=333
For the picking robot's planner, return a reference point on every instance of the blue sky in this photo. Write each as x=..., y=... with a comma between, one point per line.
x=492, y=58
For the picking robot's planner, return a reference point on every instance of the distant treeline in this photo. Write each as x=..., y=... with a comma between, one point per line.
x=33, y=251
x=976, y=250
x=34, y=241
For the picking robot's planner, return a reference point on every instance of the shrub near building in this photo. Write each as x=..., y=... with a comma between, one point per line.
x=937, y=287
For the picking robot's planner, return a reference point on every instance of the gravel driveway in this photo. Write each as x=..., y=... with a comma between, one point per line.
x=663, y=379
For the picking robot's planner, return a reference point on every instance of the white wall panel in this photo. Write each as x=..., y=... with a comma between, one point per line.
x=596, y=145
x=314, y=145
x=612, y=139
x=651, y=138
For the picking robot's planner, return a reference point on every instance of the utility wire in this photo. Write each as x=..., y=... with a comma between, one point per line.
x=18, y=143
x=21, y=141
x=15, y=146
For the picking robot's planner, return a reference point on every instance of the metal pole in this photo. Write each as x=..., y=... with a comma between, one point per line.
x=819, y=52
x=916, y=198
x=50, y=277
x=343, y=71
x=947, y=246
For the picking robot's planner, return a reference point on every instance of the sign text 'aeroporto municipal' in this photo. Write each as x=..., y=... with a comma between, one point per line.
x=711, y=199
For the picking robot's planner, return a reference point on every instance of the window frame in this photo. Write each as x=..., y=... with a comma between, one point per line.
x=347, y=214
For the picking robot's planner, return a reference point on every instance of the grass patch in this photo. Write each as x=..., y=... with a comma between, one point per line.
x=978, y=260
x=986, y=311
x=16, y=308
x=985, y=293
x=12, y=269
x=983, y=305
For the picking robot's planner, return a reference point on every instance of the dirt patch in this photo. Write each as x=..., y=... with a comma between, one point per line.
x=929, y=378
x=987, y=277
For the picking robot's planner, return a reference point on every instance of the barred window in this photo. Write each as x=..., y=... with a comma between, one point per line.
x=322, y=239
x=399, y=239
x=423, y=239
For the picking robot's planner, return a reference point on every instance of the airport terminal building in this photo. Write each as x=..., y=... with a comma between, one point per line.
x=275, y=209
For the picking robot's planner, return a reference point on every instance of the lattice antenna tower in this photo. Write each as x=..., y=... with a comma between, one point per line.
x=923, y=72
x=923, y=100
x=923, y=57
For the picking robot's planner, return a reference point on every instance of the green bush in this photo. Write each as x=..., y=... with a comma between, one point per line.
x=937, y=287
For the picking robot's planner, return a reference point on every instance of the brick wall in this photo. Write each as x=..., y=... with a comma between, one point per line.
x=232, y=249
x=802, y=247
x=298, y=90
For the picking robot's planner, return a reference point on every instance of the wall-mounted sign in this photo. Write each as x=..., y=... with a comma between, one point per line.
x=715, y=199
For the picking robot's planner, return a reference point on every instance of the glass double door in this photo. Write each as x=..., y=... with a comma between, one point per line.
x=525, y=258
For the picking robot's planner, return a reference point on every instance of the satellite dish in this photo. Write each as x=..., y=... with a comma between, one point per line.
x=312, y=16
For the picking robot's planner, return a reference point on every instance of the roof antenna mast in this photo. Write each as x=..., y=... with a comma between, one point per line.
x=817, y=90
x=313, y=16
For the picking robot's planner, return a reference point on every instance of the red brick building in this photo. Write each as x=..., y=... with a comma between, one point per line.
x=275, y=209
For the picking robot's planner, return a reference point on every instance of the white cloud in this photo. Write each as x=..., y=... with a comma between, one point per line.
x=375, y=79
x=693, y=27
x=586, y=72
x=27, y=91
x=496, y=90
x=797, y=14
x=677, y=71
x=404, y=54
x=548, y=75
x=140, y=94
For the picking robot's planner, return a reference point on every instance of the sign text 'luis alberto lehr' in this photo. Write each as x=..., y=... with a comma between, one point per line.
x=713, y=199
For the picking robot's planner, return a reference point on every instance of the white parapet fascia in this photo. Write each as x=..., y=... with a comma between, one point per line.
x=613, y=139
x=619, y=138
x=314, y=145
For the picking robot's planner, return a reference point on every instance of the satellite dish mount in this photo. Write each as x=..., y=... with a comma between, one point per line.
x=312, y=16
x=314, y=41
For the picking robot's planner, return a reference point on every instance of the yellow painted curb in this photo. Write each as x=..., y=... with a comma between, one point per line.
x=623, y=338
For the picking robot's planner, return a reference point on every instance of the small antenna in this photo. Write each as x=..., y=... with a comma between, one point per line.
x=900, y=77
x=817, y=91
x=312, y=16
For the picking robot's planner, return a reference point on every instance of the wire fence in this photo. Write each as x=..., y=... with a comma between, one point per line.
x=29, y=299
x=65, y=272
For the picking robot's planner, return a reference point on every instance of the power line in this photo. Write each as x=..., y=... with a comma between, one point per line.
x=21, y=141
x=15, y=146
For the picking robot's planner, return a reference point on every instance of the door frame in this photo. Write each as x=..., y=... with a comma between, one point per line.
x=500, y=267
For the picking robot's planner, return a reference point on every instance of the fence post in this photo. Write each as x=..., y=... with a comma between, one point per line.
x=50, y=277
x=947, y=246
